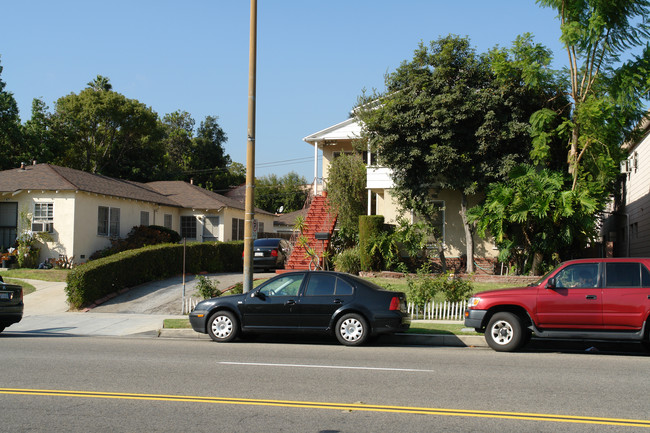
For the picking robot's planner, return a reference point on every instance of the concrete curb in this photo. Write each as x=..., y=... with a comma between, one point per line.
x=400, y=339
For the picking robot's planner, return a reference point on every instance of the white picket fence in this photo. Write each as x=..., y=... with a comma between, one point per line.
x=438, y=310
x=431, y=311
x=189, y=304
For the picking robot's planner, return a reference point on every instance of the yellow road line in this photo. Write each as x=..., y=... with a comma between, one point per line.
x=333, y=406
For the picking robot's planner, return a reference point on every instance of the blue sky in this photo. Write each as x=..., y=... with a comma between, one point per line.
x=314, y=57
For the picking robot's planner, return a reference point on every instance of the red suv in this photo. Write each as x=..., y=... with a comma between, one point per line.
x=604, y=299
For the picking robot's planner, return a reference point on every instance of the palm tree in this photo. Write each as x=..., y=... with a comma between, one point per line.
x=100, y=83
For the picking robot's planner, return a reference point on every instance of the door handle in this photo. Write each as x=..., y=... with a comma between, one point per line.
x=592, y=297
x=290, y=302
x=338, y=301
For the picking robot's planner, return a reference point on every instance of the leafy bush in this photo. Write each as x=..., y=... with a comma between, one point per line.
x=370, y=228
x=207, y=288
x=138, y=237
x=423, y=287
x=348, y=261
x=98, y=278
x=456, y=289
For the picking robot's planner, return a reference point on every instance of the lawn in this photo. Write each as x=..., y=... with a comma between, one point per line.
x=37, y=274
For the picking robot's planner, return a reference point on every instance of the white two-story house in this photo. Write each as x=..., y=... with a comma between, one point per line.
x=339, y=138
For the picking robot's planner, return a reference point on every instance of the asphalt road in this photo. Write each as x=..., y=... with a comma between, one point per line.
x=143, y=384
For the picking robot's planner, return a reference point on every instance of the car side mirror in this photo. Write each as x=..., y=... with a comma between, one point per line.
x=551, y=283
x=258, y=294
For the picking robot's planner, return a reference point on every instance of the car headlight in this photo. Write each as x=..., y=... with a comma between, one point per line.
x=473, y=302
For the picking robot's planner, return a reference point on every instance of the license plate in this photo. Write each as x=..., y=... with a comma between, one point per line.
x=6, y=295
x=259, y=254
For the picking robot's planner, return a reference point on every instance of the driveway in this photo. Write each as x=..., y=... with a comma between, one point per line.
x=139, y=311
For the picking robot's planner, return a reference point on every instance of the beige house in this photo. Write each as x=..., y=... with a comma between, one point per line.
x=626, y=227
x=339, y=139
x=83, y=212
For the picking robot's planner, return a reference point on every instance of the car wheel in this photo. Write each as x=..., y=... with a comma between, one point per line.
x=223, y=326
x=504, y=332
x=352, y=330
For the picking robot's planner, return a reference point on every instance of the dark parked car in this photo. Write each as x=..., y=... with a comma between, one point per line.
x=11, y=304
x=329, y=302
x=270, y=253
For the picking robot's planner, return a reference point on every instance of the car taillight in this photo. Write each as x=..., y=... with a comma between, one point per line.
x=242, y=255
x=394, y=304
x=274, y=253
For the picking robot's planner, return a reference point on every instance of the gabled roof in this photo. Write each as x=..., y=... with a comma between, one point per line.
x=195, y=197
x=54, y=178
x=48, y=177
x=346, y=130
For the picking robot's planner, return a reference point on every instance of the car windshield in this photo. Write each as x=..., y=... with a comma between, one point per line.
x=538, y=282
x=266, y=243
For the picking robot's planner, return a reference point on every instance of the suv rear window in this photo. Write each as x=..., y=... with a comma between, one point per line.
x=627, y=275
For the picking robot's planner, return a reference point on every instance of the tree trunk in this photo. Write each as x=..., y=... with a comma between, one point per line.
x=537, y=261
x=469, y=234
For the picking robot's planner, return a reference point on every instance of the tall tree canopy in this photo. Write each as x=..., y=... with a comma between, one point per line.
x=10, y=133
x=104, y=132
x=287, y=192
x=446, y=121
x=605, y=97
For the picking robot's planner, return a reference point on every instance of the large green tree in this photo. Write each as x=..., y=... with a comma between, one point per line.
x=605, y=96
x=287, y=192
x=446, y=121
x=346, y=190
x=10, y=132
x=104, y=132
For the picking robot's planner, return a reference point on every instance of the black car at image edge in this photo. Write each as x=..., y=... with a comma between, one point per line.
x=347, y=306
x=11, y=304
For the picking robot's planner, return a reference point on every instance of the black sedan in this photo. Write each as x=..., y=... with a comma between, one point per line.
x=330, y=302
x=270, y=253
x=11, y=304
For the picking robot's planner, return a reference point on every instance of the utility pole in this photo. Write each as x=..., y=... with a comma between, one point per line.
x=250, y=154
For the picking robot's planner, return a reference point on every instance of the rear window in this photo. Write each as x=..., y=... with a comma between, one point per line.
x=623, y=274
x=266, y=243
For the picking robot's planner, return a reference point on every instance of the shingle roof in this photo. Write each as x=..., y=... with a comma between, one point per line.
x=192, y=196
x=171, y=193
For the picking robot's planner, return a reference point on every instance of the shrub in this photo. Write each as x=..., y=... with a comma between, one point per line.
x=456, y=289
x=370, y=227
x=348, y=261
x=99, y=278
x=138, y=237
x=207, y=288
x=422, y=287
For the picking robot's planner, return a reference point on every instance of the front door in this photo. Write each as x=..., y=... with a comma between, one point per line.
x=274, y=305
x=576, y=302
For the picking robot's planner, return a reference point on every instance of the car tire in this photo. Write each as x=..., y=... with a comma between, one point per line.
x=352, y=330
x=504, y=332
x=223, y=326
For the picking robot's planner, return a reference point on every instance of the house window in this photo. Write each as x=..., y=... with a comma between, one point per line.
x=144, y=218
x=43, y=220
x=167, y=221
x=188, y=227
x=8, y=224
x=237, y=229
x=108, y=221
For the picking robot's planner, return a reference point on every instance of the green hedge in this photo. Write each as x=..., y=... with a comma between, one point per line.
x=99, y=278
x=370, y=226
